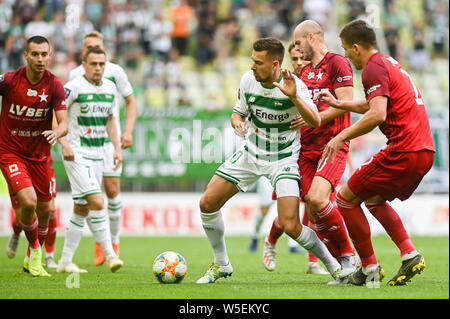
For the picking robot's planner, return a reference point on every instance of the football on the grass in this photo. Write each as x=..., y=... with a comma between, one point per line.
x=169, y=267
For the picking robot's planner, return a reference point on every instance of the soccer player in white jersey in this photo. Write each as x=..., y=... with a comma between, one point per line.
x=90, y=101
x=111, y=178
x=271, y=98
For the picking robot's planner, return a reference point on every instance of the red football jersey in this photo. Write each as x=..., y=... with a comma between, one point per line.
x=27, y=111
x=406, y=126
x=334, y=71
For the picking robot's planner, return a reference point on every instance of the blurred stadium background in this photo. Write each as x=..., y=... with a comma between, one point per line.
x=186, y=76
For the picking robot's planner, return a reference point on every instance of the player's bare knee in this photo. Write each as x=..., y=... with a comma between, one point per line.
x=316, y=202
x=82, y=210
x=209, y=204
x=291, y=226
x=28, y=204
x=112, y=186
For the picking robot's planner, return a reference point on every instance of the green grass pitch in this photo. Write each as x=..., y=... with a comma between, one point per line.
x=250, y=280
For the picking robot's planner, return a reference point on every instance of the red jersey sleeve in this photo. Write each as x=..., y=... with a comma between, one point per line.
x=375, y=79
x=5, y=82
x=59, y=96
x=341, y=73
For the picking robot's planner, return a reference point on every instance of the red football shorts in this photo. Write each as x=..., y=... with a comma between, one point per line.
x=311, y=166
x=15, y=202
x=391, y=175
x=20, y=173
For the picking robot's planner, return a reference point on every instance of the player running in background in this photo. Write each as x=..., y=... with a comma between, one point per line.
x=111, y=177
x=47, y=235
x=394, y=104
x=332, y=73
x=272, y=98
x=264, y=191
x=90, y=102
x=32, y=95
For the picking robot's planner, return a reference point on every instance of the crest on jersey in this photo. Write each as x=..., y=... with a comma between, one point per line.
x=311, y=75
x=31, y=92
x=267, y=93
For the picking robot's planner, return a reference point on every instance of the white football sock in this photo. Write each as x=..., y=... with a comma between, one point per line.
x=100, y=229
x=74, y=233
x=215, y=231
x=308, y=239
x=410, y=255
x=258, y=222
x=115, y=217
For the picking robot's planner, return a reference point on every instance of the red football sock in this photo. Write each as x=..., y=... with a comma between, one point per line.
x=332, y=248
x=16, y=226
x=51, y=235
x=31, y=232
x=393, y=225
x=332, y=227
x=305, y=221
x=275, y=232
x=42, y=233
x=358, y=229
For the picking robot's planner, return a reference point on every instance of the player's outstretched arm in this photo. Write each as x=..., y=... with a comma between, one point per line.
x=360, y=107
x=371, y=119
x=111, y=129
x=289, y=88
x=130, y=119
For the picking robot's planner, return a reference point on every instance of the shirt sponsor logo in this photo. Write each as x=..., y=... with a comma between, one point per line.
x=373, y=89
x=269, y=116
x=84, y=109
x=28, y=111
x=344, y=78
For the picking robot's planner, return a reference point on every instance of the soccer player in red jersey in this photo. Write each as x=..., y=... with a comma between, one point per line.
x=31, y=95
x=332, y=73
x=394, y=105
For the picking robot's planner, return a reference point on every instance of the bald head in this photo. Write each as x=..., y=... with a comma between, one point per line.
x=309, y=40
x=308, y=26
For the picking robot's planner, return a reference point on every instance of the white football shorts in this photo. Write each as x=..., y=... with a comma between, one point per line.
x=85, y=177
x=243, y=170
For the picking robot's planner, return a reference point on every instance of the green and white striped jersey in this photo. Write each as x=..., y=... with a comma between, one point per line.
x=270, y=112
x=88, y=108
x=115, y=73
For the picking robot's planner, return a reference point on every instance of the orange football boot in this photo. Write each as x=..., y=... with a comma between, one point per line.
x=99, y=255
x=116, y=248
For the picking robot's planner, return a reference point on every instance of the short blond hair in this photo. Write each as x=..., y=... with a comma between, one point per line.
x=94, y=34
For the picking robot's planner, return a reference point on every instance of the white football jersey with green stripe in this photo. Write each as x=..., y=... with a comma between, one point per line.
x=115, y=73
x=270, y=112
x=88, y=108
